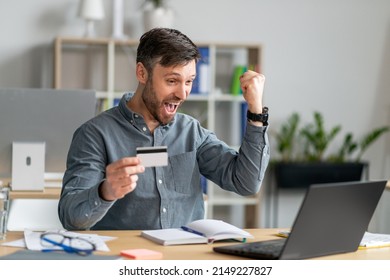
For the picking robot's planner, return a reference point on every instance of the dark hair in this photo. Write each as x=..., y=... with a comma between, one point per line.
x=166, y=46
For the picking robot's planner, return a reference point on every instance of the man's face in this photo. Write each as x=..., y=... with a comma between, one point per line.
x=167, y=89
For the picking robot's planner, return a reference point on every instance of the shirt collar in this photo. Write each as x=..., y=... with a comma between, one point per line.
x=129, y=114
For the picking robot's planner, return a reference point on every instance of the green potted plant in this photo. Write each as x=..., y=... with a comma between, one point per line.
x=303, y=159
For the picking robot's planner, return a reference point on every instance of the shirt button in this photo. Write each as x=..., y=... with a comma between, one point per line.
x=144, y=128
x=96, y=203
x=86, y=215
x=164, y=210
x=160, y=181
x=136, y=115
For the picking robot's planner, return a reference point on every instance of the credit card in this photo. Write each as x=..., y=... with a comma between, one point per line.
x=153, y=156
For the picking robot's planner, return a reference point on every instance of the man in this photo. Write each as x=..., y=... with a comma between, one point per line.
x=106, y=186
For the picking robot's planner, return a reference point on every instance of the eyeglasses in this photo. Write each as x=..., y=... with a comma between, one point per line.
x=58, y=241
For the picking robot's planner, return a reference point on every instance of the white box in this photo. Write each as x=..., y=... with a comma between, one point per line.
x=28, y=166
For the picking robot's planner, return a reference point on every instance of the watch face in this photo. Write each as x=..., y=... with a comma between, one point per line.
x=262, y=118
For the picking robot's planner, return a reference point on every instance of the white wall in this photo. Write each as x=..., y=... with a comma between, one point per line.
x=327, y=55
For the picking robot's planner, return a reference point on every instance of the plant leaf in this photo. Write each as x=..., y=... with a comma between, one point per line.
x=369, y=139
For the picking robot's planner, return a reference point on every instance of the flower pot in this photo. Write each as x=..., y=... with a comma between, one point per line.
x=302, y=175
x=158, y=17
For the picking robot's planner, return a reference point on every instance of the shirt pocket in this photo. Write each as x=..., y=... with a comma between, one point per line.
x=182, y=169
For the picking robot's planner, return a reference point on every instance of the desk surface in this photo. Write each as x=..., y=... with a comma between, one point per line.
x=47, y=193
x=133, y=240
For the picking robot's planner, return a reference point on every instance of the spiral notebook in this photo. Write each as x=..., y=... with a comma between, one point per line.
x=200, y=231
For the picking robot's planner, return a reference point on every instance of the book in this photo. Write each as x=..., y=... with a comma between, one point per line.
x=244, y=120
x=197, y=232
x=369, y=240
x=235, y=84
x=55, y=255
x=201, y=84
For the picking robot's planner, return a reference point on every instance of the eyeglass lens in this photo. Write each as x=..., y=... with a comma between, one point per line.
x=52, y=240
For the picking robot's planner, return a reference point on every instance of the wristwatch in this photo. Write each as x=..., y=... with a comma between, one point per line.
x=263, y=117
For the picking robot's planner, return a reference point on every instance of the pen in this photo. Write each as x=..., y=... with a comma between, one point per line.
x=192, y=230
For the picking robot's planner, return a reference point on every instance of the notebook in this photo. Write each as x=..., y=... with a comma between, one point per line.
x=199, y=231
x=331, y=220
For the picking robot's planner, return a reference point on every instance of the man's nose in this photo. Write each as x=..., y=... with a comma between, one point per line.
x=183, y=91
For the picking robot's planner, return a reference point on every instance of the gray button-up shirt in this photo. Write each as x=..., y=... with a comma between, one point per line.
x=165, y=197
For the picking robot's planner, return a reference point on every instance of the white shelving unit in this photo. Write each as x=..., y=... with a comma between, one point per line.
x=108, y=65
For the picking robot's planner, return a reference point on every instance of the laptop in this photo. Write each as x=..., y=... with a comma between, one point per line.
x=332, y=219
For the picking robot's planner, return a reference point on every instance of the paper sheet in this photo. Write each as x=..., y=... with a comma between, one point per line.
x=375, y=240
x=32, y=240
x=369, y=240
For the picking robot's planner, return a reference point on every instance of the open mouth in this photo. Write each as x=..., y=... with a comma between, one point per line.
x=171, y=107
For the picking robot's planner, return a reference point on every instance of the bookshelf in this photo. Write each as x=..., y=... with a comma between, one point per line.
x=108, y=65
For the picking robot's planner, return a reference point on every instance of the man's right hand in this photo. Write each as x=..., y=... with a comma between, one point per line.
x=121, y=178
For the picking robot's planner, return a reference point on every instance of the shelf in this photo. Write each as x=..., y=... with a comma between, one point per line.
x=47, y=193
x=80, y=41
x=234, y=201
x=198, y=97
x=103, y=94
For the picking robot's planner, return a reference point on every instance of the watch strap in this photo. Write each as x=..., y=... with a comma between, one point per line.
x=263, y=117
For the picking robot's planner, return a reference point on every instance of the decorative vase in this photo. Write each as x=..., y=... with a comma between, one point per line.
x=117, y=20
x=158, y=17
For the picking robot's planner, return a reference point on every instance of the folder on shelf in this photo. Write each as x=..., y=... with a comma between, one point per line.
x=236, y=85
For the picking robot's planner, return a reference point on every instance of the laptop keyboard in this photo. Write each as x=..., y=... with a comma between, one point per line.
x=268, y=249
x=258, y=250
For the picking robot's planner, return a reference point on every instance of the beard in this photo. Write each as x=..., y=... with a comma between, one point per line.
x=155, y=106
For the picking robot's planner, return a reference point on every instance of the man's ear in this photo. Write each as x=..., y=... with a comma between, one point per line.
x=142, y=73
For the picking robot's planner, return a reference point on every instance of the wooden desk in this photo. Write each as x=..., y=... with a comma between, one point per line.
x=47, y=193
x=52, y=190
x=133, y=240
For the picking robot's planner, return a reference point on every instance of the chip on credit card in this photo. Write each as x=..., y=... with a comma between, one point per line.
x=153, y=156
